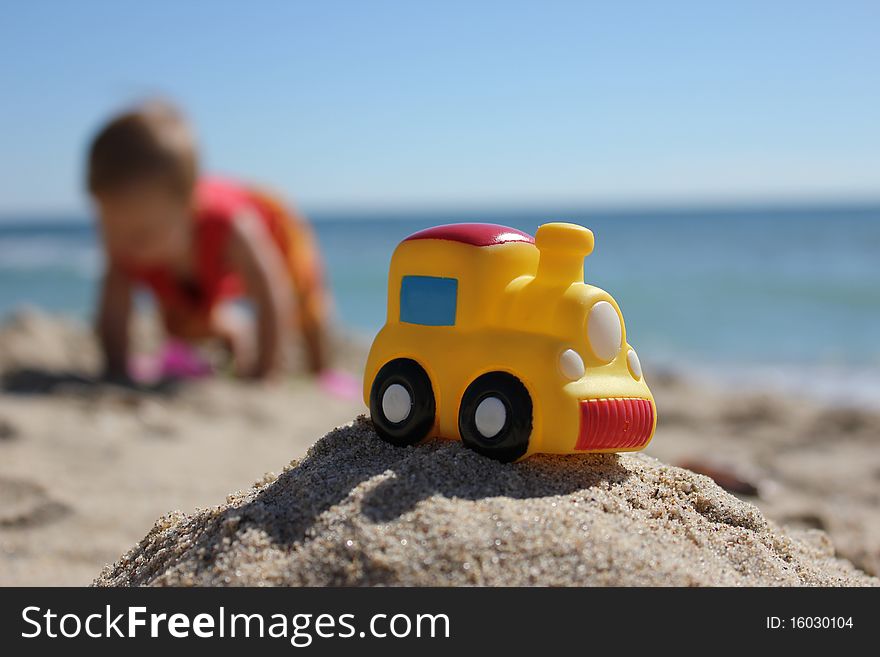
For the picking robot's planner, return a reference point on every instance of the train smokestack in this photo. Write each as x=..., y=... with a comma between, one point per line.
x=562, y=248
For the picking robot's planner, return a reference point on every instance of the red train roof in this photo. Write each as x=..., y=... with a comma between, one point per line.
x=473, y=234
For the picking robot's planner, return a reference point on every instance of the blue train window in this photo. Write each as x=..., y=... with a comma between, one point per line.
x=428, y=300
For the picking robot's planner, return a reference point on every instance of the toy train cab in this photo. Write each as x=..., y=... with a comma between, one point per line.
x=493, y=337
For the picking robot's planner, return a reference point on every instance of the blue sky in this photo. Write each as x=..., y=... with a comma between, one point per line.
x=405, y=104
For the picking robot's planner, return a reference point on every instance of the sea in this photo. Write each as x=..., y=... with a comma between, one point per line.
x=776, y=297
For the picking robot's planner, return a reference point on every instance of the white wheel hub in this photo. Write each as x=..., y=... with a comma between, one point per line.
x=490, y=417
x=396, y=403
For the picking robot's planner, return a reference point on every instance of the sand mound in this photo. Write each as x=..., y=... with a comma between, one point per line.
x=356, y=511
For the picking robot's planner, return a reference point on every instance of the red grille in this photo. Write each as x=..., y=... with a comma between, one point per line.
x=615, y=423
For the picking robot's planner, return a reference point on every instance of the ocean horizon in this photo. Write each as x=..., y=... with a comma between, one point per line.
x=787, y=294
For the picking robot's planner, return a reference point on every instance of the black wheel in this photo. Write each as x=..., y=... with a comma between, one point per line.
x=402, y=404
x=495, y=418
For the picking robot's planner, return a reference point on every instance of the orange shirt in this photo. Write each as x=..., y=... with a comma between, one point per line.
x=217, y=203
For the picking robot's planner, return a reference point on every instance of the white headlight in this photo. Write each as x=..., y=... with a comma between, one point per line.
x=604, y=331
x=571, y=365
x=635, y=367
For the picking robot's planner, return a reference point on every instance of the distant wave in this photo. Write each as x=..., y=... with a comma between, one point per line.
x=839, y=385
x=791, y=296
x=47, y=254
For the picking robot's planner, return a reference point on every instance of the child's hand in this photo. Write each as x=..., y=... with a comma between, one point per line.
x=253, y=255
x=113, y=319
x=235, y=327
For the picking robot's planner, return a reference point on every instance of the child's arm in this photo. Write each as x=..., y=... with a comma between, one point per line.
x=113, y=319
x=311, y=296
x=254, y=256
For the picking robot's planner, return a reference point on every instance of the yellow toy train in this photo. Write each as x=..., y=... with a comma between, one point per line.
x=493, y=337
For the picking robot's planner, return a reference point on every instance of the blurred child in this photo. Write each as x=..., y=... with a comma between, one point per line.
x=198, y=244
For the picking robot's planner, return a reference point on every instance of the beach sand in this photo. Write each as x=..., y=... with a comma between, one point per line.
x=86, y=469
x=357, y=511
x=108, y=461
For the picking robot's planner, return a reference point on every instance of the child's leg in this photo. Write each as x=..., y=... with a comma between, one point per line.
x=235, y=327
x=185, y=324
x=228, y=323
x=307, y=277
